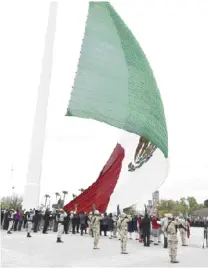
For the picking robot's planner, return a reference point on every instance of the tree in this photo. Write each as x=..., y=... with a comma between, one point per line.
x=12, y=202
x=206, y=203
x=178, y=207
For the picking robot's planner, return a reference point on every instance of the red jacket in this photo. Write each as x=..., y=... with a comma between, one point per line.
x=155, y=225
x=139, y=221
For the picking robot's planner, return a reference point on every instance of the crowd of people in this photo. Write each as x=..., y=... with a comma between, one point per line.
x=144, y=228
x=198, y=221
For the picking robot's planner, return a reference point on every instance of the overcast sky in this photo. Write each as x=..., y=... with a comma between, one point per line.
x=173, y=35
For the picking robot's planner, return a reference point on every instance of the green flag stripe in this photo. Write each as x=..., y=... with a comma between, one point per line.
x=114, y=82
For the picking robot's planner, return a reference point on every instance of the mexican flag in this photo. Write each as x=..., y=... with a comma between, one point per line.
x=115, y=85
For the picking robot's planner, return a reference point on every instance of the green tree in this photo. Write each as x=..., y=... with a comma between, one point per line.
x=12, y=202
x=178, y=207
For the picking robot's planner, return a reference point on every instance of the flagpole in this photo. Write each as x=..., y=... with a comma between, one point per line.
x=11, y=179
x=31, y=197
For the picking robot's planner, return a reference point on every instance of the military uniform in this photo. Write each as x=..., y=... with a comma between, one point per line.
x=171, y=230
x=11, y=220
x=90, y=224
x=29, y=218
x=60, y=220
x=96, y=228
x=164, y=222
x=183, y=228
x=122, y=226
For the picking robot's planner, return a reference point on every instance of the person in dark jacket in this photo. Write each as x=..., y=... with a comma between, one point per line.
x=130, y=228
x=105, y=224
x=2, y=216
x=35, y=221
x=16, y=219
x=86, y=222
x=82, y=218
x=75, y=224
x=110, y=225
x=20, y=221
x=145, y=226
x=46, y=221
x=6, y=220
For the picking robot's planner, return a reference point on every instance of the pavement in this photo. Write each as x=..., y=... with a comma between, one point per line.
x=42, y=251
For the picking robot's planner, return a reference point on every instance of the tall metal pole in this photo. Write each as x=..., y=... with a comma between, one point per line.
x=11, y=179
x=32, y=187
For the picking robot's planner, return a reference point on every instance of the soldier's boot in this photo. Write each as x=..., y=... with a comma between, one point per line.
x=9, y=232
x=96, y=247
x=124, y=252
x=173, y=260
x=28, y=235
x=59, y=240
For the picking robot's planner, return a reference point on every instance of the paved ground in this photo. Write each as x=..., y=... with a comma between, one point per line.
x=76, y=251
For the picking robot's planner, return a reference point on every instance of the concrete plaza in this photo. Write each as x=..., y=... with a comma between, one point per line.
x=42, y=251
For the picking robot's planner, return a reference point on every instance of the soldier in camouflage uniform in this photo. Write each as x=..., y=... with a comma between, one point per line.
x=122, y=227
x=171, y=229
x=60, y=220
x=96, y=227
x=29, y=218
x=183, y=228
x=11, y=220
x=90, y=224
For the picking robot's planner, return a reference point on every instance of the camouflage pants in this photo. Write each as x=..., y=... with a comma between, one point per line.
x=96, y=233
x=183, y=235
x=10, y=225
x=124, y=237
x=29, y=226
x=90, y=229
x=60, y=230
x=173, y=248
x=115, y=232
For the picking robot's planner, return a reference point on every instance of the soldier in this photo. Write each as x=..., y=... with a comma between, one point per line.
x=164, y=222
x=171, y=230
x=29, y=218
x=183, y=228
x=60, y=220
x=123, y=230
x=96, y=227
x=145, y=226
x=11, y=220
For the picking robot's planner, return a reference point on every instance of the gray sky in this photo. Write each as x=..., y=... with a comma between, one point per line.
x=173, y=36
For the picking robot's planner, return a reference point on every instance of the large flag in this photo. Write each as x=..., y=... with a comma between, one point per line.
x=114, y=84
x=99, y=193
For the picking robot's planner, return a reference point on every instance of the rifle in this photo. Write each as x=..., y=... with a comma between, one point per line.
x=93, y=208
x=118, y=210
